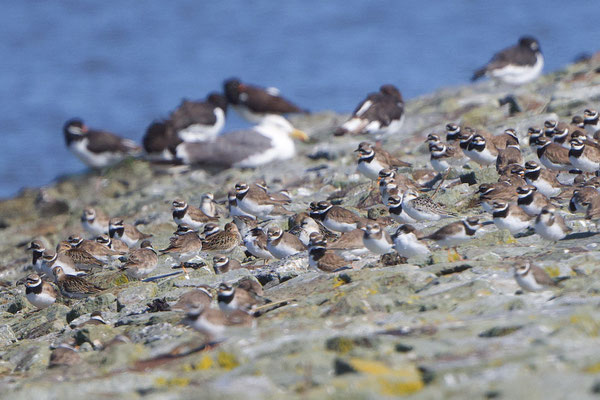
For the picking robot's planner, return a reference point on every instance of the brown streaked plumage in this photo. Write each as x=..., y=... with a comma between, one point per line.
x=223, y=241
x=74, y=286
x=80, y=257
x=141, y=262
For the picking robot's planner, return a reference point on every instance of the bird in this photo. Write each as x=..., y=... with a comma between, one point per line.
x=591, y=121
x=185, y=214
x=423, y=208
x=256, y=243
x=553, y=156
x=323, y=258
x=443, y=157
x=509, y=155
x=221, y=241
x=350, y=245
x=534, y=133
x=376, y=239
x=214, y=322
x=271, y=140
x=482, y=151
x=584, y=158
x=407, y=242
x=159, y=140
x=93, y=248
x=97, y=149
x=234, y=209
x=95, y=319
x=255, y=103
x=582, y=198
x=73, y=286
x=231, y=298
x=302, y=225
x=372, y=159
x=184, y=245
x=113, y=244
x=125, y=232
x=64, y=355
x=510, y=217
x=531, y=201
x=397, y=213
x=82, y=259
x=208, y=205
x=223, y=264
x=543, y=179
x=193, y=299
x=52, y=260
x=141, y=262
x=515, y=65
x=455, y=233
x=533, y=278
x=335, y=218
x=500, y=191
x=39, y=293
x=94, y=221
x=550, y=225
x=256, y=202
x=197, y=121
x=381, y=113
x=37, y=249
x=283, y=244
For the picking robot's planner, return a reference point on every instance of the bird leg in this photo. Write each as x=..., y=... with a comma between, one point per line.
x=441, y=182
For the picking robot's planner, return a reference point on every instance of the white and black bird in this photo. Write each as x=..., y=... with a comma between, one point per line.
x=255, y=103
x=511, y=217
x=255, y=201
x=543, y=179
x=381, y=113
x=283, y=244
x=531, y=201
x=550, y=225
x=371, y=160
x=482, y=151
x=407, y=242
x=97, y=149
x=376, y=239
x=185, y=214
x=335, y=218
x=533, y=278
x=94, y=221
x=198, y=121
x=39, y=293
x=192, y=121
x=583, y=157
x=270, y=140
x=256, y=243
x=515, y=65
x=456, y=233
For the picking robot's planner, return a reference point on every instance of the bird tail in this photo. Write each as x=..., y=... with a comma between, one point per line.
x=478, y=74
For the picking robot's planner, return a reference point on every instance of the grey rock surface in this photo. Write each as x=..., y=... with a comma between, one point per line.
x=436, y=327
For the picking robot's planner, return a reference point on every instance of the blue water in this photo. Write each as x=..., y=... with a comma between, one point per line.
x=121, y=64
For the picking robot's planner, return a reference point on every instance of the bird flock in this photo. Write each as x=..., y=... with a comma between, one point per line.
x=530, y=197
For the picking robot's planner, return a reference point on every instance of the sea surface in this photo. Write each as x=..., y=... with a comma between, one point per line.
x=121, y=64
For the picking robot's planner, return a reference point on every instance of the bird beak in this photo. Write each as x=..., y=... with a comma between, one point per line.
x=300, y=135
x=84, y=128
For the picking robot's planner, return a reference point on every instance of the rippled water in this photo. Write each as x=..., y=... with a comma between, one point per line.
x=120, y=64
